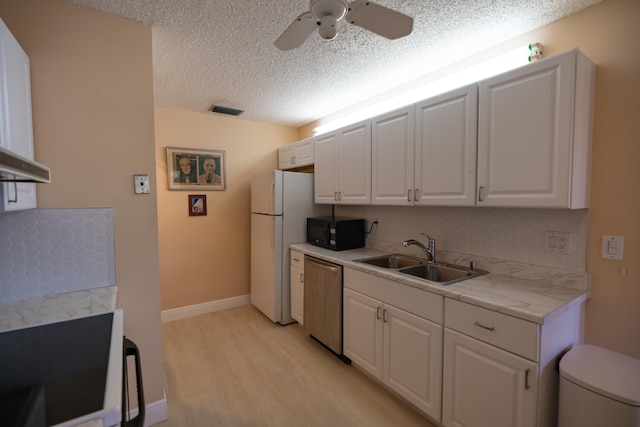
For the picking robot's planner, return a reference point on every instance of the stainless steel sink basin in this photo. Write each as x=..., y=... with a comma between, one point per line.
x=394, y=261
x=442, y=274
x=436, y=272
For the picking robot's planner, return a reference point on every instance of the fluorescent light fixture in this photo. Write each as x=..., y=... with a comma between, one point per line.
x=491, y=67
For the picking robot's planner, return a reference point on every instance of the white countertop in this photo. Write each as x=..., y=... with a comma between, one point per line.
x=537, y=295
x=51, y=308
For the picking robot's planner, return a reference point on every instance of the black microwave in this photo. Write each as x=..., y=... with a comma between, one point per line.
x=337, y=233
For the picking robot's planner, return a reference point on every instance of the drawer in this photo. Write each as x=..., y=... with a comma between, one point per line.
x=416, y=301
x=297, y=259
x=506, y=332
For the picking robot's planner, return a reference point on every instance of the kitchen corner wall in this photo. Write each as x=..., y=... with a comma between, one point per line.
x=205, y=259
x=608, y=33
x=92, y=96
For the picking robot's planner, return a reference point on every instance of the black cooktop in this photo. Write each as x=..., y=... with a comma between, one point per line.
x=59, y=368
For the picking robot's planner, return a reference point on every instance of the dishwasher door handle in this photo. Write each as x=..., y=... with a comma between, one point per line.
x=324, y=266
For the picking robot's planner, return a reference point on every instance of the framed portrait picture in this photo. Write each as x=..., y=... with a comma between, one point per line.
x=196, y=169
x=197, y=204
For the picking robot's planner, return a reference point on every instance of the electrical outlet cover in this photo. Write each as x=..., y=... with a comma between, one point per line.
x=141, y=184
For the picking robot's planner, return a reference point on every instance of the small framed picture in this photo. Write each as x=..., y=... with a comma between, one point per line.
x=197, y=204
x=196, y=169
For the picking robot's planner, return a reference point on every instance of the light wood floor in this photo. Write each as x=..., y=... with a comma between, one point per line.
x=237, y=368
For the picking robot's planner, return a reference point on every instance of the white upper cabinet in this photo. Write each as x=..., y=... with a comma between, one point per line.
x=343, y=165
x=446, y=148
x=392, y=155
x=16, y=131
x=534, y=134
x=426, y=154
x=296, y=155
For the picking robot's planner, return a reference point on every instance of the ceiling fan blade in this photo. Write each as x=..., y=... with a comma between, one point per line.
x=379, y=19
x=297, y=32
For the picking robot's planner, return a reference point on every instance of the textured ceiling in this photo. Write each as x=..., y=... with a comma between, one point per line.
x=221, y=51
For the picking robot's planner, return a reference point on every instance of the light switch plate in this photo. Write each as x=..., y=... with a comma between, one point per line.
x=612, y=247
x=141, y=184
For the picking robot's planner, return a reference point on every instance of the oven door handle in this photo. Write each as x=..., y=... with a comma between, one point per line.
x=131, y=349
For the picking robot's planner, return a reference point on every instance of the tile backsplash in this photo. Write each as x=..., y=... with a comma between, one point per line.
x=53, y=251
x=500, y=233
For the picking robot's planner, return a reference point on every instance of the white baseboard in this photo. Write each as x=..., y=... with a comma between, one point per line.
x=204, y=308
x=155, y=412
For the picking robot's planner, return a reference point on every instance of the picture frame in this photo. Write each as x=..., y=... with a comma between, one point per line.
x=197, y=204
x=196, y=169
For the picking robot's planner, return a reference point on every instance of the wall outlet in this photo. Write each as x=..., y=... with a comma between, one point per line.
x=557, y=241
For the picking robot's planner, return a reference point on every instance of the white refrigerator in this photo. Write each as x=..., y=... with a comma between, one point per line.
x=280, y=204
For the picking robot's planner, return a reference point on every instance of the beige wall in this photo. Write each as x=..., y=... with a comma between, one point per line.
x=92, y=97
x=609, y=33
x=204, y=259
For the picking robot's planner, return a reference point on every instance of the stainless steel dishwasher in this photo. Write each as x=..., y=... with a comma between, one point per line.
x=323, y=303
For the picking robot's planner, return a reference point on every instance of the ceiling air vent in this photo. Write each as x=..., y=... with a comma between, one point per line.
x=225, y=110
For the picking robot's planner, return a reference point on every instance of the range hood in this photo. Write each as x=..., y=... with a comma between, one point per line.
x=15, y=168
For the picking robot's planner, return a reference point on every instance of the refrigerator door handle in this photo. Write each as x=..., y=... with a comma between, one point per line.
x=272, y=238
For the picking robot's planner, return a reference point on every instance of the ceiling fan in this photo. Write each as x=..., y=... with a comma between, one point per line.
x=324, y=15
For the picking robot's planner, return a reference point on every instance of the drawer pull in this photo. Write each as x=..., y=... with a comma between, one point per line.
x=526, y=379
x=488, y=328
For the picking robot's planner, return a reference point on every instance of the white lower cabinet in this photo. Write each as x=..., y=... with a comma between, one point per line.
x=297, y=286
x=460, y=364
x=486, y=386
x=501, y=371
x=394, y=343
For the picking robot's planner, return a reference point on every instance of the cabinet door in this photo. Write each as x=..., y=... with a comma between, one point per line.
x=413, y=359
x=285, y=157
x=16, y=131
x=392, y=146
x=297, y=294
x=525, y=135
x=354, y=180
x=362, y=331
x=326, y=168
x=446, y=149
x=303, y=153
x=484, y=386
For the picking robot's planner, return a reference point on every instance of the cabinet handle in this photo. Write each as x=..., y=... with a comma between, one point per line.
x=302, y=278
x=481, y=193
x=378, y=312
x=335, y=196
x=526, y=379
x=488, y=328
x=293, y=160
x=339, y=196
x=408, y=195
x=416, y=194
x=15, y=192
x=384, y=315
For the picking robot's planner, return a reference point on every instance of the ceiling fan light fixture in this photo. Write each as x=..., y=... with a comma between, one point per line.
x=328, y=29
x=225, y=110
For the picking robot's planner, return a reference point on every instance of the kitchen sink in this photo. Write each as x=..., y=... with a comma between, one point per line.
x=442, y=274
x=393, y=261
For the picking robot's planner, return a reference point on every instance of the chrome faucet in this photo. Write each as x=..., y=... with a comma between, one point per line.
x=430, y=250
